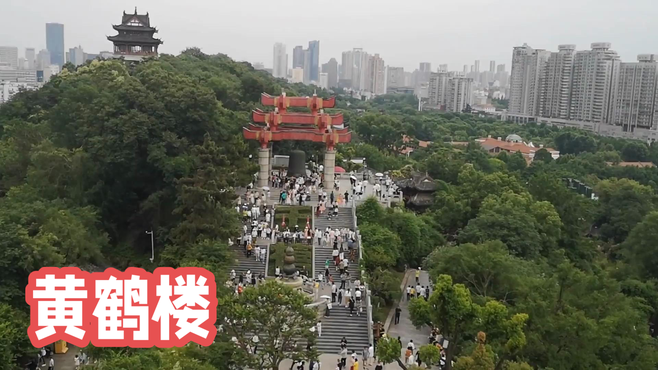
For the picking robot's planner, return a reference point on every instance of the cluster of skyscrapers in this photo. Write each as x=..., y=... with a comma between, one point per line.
x=590, y=89
x=34, y=69
x=305, y=63
x=362, y=72
x=367, y=75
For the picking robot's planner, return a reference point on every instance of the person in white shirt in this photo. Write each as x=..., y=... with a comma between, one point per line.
x=256, y=340
x=319, y=329
x=257, y=253
x=263, y=255
x=51, y=364
x=411, y=345
x=371, y=353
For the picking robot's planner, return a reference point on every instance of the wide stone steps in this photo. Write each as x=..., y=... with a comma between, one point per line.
x=343, y=220
x=242, y=263
x=322, y=254
x=339, y=325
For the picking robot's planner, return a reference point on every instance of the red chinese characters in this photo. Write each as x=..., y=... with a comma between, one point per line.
x=170, y=307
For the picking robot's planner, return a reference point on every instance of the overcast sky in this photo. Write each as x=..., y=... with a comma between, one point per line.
x=404, y=33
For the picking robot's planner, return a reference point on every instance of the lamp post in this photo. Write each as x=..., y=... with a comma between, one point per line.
x=152, y=246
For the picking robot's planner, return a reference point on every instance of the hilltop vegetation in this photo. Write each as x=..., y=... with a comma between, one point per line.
x=105, y=152
x=514, y=234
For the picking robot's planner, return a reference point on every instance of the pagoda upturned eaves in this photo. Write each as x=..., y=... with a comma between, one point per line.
x=135, y=38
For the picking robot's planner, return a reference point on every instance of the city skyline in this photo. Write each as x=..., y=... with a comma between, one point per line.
x=224, y=28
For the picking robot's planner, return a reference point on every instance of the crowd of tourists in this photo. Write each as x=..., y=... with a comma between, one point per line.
x=296, y=190
x=384, y=188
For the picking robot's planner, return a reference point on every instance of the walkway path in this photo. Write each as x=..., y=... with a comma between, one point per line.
x=405, y=329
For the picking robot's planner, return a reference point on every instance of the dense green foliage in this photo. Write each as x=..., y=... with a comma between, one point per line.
x=102, y=153
x=512, y=233
x=105, y=152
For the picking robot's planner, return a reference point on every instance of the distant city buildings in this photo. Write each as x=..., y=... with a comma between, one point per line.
x=76, y=56
x=9, y=89
x=280, y=63
x=589, y=89
x=395, y=78
x=55, y=43
x=18, y=75
x=298, y=57
x=331, y=69
x=314, y=60
x=308, y=60
x=297, y=75
x=635, y=102
x=8, y=56
x=449, y=91
x=324, y=80
x=43, y=60
x=30, y=58
x=377, y=75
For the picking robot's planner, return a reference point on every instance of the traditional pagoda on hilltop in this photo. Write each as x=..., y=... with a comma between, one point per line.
x=135, y=39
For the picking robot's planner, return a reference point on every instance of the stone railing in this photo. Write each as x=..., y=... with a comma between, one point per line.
x=363, y=273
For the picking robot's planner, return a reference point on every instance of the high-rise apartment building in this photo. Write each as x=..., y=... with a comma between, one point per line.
x=298, y=57
x=314, y=62
x=443, y=68
x=476, y=66
x=636, y=93
x=394, y=77
x=360, y=72
x=500, y=68
x=76, y=56
x=43, y=60
x=347, y=66
x=297, y=75
x=30, y=57
x=459, y=93
x=331, y=69
x=9, y=56
x=324, y=80
x=555, y=83
x=492, y=66
x=55, y=43
x=465, y=68
x=280, y=61
x=527, y=68
x=307, y=66
x=425, y=67
x=594, y=77
x=449, y=91
x=377, y=71
x=436, y=89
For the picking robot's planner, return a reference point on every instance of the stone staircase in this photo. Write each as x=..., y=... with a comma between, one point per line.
x=242, y=263
x=345, y=219
x=340, y=324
